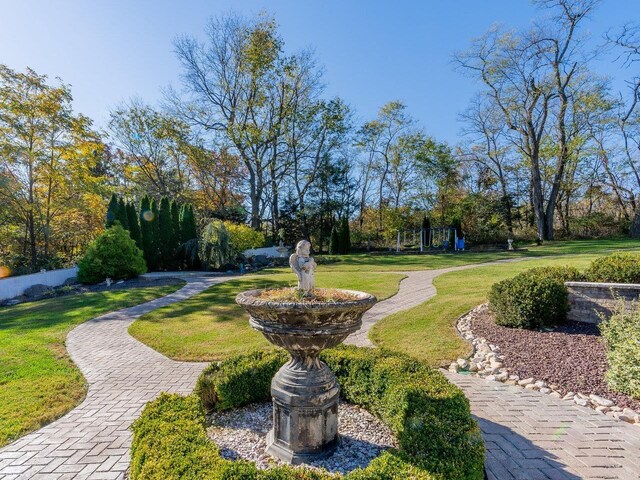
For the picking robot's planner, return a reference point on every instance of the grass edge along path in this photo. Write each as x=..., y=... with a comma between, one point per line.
x=39, y=382
x=428, y=333
x=210, y=326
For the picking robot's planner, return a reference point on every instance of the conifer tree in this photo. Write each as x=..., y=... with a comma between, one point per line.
x=134, y=226
x=147, y=234
x=122, y=214
x=426, y=228
x=344, y=235
x=112, y=211
x=176, y=239
x=155, y=232
x=189, y=237
x=165, y=237
x=334, y=241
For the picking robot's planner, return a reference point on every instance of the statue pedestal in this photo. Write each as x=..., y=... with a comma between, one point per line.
x=305, y=411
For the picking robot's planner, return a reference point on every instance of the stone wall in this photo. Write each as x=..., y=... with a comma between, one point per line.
x=588, y=299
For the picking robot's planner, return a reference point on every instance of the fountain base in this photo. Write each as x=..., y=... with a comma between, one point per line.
x=305, y=396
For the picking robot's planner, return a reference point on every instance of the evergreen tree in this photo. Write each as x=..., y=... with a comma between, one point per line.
x=122, y=214
x=165, y=237
x=176, y=239
x=134, y=226
x=426, y=228
x=344, y=242
x=112, y=211
x=147, y=233
x=187, y=224
x=189, y=237
x=334, y=241
x=155, y=232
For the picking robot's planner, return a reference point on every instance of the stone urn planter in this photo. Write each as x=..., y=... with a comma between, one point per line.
x=305, y=392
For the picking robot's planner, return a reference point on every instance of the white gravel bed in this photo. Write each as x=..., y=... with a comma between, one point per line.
x=242, y=434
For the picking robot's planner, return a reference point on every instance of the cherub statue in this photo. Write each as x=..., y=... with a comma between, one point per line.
x=304, y=266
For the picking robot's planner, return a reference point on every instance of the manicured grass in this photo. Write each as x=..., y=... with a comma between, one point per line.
x=427, y=331
x=38, y=380
x=404, y=262
x=210, y=326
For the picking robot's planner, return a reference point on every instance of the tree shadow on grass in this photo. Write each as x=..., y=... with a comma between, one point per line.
x=509, y=455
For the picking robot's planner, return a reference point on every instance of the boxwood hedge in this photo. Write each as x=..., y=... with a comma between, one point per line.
x=533, y=298
x=430, y=417
x=615, y=268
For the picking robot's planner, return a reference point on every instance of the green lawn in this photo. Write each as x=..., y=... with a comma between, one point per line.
x=210, y=326
x=405, y=262
x=427, y=331
x=38, y=380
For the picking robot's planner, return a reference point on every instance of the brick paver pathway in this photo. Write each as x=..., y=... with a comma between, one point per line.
x=93, y=440
x=528, y=435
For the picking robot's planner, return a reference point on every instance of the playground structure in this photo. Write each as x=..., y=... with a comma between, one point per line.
x=435, y=238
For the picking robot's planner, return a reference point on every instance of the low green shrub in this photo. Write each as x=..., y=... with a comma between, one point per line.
x=240, y=380
x=621, y=333
x=429, y=416
x=534, y=298
x=615, y=268
x=112, y=255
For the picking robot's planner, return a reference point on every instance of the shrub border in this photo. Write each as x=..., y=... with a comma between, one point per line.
x=431, y=418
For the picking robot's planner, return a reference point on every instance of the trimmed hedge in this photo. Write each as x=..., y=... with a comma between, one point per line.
x=112, y=255
x=615, y=268
x=430, y=417
x=621, y=333
x=534, y=298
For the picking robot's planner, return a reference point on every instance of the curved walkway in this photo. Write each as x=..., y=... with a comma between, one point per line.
x=93, y=440
x=528, y=435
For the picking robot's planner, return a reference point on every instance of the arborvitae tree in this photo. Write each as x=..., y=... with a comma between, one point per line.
x=344, y=242
x=187, y=224
x=426, y=227
x=155, y=231
x=122, y=214
x=189, y=237
x=165, y=226
x=147, y=233
x=334, y=241
x=134, y=226
x=112, y=211
x=176, y=238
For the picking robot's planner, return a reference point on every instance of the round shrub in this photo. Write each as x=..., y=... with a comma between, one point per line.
x=532, y=299
x=430, y=417
x=112, y=255
x=615, y=268
x=621, y=333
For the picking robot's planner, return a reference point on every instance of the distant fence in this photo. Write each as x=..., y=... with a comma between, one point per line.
x=15, y=286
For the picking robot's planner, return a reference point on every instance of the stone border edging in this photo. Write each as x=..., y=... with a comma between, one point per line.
x=486, y=361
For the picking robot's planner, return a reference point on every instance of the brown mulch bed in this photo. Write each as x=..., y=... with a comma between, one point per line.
x=571, y=356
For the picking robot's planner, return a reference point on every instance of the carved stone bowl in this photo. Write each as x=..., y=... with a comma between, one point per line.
x=306, y=327
x=305, y=391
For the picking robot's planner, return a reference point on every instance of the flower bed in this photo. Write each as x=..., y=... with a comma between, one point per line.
x=430, y=418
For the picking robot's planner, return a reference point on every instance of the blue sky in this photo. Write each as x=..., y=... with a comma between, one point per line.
x=373, y=51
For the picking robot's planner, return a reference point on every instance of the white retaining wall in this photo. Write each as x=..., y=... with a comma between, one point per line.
x=14, y=286
x=266, y=251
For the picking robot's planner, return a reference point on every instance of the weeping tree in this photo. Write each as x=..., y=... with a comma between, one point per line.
x=215, y=249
